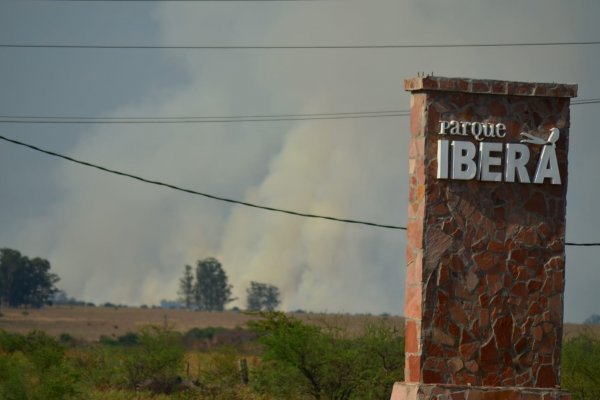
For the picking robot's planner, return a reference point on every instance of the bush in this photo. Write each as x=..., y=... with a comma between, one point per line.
x=128, y=339
x=580, y=370
x=303, y=360
x=101, y=367
x=11, y=342
x=34, y=367
x=13, y=374
x=219, y=375
x=107, y=340
x=157, y=361
x=67, y=339
x=201, y=333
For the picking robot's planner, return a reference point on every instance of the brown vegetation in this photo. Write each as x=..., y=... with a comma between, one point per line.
x=89, y=323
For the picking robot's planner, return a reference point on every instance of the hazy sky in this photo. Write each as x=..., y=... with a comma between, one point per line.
x=113, y=239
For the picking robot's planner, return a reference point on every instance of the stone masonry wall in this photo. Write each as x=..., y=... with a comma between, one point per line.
x=485, y=260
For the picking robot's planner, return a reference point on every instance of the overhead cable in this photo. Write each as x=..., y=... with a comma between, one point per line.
x=173, y=1
x=585, y=101
x=194, y=120
x=243, y=203
x=39, y=119
x=289, y=47
x=210, y=196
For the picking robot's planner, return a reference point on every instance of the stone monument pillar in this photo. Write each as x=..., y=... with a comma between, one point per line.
x=485, y=247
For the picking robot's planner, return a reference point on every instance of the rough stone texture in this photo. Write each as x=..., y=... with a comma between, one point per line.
x=488, y=86
x=420, y=391
x=485, y=260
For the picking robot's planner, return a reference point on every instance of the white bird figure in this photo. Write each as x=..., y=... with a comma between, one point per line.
x=552, y=138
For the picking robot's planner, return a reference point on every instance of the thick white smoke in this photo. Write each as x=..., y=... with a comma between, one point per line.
x=113, y=239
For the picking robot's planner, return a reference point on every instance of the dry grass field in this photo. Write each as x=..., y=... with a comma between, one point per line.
x=89, y=323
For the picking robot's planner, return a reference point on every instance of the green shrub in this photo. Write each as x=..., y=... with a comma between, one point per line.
x=66, y=339
x=43, y=350
x=219, y=376
x=128, y=339
x=157, y=361
x=13, y=376
x=34, y=367
x=101, y=367
x=11, y=342
x=580, y=372
x=302, y=360
x=107, y=340
x=201, y=334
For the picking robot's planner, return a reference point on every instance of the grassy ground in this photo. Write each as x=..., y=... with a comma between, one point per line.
x=89, y=323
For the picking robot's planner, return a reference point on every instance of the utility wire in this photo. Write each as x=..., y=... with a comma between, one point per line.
x=174, y=1
x=288, y=47
x=193, y=120
x=223, y=116
x=243, y=203
x=585, y=101
x=37, y=119
x=300, y=214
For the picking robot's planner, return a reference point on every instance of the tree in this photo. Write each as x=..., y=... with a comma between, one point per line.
x=262, y=297
x=33, y=283
x=25, y=281
x=10, y=261
x=211, y=289
x=186, y=287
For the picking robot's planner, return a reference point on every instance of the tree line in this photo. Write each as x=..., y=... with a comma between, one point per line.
x=25, y=281
x=28, y=281
x=207, y=288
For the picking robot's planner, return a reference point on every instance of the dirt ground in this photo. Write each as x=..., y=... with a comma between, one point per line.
x=89, y=323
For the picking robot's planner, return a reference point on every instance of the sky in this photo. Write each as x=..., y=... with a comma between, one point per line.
x=114, y=239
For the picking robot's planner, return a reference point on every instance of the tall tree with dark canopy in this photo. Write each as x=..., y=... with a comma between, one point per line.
x=261, y=296
x=186, y=287
x=25, y=281
x=9, y=263
x=211, y=289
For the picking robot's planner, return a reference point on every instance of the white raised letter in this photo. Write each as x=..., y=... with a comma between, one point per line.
x=481, y=131
x=463, y=166
x=454, y=127
x=476, y=129
x=500, y=130
x=486, y=160
x=517, y=157
x=442, y=159
x=490, y=131
x=547, y=166
x=443, y=127
x=465, y=125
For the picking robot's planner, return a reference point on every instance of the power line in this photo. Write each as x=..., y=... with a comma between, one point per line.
x=219, y=116
x=168, y=1
x=300, y=214
x=210, y=196
x=585, y=101
x=291, y=47
x=194, y=120
x=38, y=119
